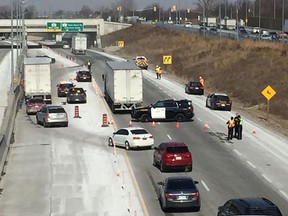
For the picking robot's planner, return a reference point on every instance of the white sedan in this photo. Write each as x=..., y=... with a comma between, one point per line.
x=131, y=137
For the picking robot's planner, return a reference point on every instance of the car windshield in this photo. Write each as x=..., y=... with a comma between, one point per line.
x=222, y=97
x=56, y=110
x=139, y=131
x=195, y=84
x=66, y=85
x=180, y=184
x=84, y=72
x=141, y=58
x=177, y=149
x=36, y=100
x=274, y=212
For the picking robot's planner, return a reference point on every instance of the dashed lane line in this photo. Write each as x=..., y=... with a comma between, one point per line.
x=265, y=177
x=237, y=152
x=169, y=137
x=205, y=186
x=284, y=194
x=199, y=119
x=251, y=164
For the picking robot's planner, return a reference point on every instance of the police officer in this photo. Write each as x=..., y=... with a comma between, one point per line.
x=240, y=128
x=236, y=129
x=231, y=125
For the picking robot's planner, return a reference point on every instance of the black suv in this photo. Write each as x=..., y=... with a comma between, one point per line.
x=63, y=88
x=76, y=95
x=249, y=206
x=83, y=75
x=179, y=110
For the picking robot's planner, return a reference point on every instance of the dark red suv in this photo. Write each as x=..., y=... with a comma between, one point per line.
x=173, y=155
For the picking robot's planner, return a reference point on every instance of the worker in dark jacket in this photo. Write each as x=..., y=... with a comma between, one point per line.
x=236, y=128
x=231, y=125
x=240, y=128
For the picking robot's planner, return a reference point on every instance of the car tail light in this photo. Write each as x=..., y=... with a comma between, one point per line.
x=29, y=105
x=168, y=156
x=167, y=195
x=151, y=137
x=191, y=87
x=195, y=195
x=202, y=87
x=229, y=101
x=46, y=115
x=190, y=109
x=136, y=138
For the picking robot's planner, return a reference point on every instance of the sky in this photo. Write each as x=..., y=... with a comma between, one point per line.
x=72, y=5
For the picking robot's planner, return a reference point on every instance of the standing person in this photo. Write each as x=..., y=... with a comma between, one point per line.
x=240, y=127
x=89, y=65
x=231, y=125
x=201, y=80
x=157, y=71
x=236, y=129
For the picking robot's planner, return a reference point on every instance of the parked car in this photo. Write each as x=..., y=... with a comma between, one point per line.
x=83, y=75
x=249, y=206
x=194, y=87
x=256, y=30
x=63, y=88
x=33, y=105
x=132, y=137
x=52, y=115
x=266, y=37
x=213, y=30
x=243, y=33
x=179, y=192
x=76, y=95
x=52, y=60
x=188, y=24
x=173, y=156
x=219, y=101
x=274, y=35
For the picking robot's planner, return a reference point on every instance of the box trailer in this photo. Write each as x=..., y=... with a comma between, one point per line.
x=79, y=44
x=123, y=85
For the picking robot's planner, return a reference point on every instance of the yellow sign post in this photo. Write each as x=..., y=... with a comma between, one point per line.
x=120, y=43
x=268, y=93
x=167, y=59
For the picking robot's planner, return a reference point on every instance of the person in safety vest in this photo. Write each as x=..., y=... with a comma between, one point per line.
x=231, y=125
x=201, y=80
x=236, y=129
x=240, y=128
x=158, y=72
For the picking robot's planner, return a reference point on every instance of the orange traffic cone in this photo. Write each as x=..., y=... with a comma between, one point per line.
x=153, y=124
x=130, y=123
x=254, y=131
x=177, y=124
x=206, y=126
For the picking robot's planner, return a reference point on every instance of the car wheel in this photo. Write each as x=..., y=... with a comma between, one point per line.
x=110, y=142
x=206, y=103
x=197, y=208
x=154, y=162
x=213, y=106
x=162, y=167
x=229, y=109
x=188, y=168
x=127, y=145
x=163, y=206
x=180, y=117
x=66, y=124
x=145, y=118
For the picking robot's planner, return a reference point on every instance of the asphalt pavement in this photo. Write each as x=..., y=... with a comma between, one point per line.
x=62, y=171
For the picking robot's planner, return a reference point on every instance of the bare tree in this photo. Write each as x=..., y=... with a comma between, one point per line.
x=207, y=6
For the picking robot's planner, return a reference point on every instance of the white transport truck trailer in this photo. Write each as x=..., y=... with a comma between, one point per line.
x=123, y=85
x=37, y=78
x=79, y=44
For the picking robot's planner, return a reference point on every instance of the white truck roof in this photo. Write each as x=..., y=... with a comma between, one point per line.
x=122, y=65
x=31, y=61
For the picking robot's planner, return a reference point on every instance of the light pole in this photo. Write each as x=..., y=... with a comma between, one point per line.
x=12, y=43
x=283, y=15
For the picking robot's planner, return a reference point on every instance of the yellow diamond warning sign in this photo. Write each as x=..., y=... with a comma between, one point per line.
x=268, y=92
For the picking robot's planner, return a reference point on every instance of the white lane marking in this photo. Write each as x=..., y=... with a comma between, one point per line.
x=252, y=165
x=205, y=186
x=199, y=119
x=169, y=95
x=158, y=123
x=265, y=177
x=160, y=87
x=237, y=152
x=169, y=137
x=283, y=193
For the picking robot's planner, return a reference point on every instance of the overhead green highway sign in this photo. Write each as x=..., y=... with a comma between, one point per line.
x=53, y=27
x=64, y=27
x=72, y=27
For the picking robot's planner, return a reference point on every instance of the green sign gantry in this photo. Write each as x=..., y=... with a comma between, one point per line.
x=64, y=27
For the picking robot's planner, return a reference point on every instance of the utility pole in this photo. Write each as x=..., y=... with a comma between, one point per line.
x=283, y=15
x=12, y=54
